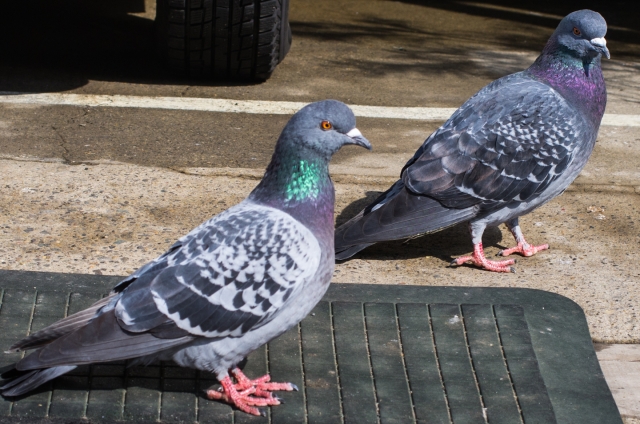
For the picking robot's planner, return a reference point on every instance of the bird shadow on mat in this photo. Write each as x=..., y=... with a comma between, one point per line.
x=103, y=382
x=117, y=376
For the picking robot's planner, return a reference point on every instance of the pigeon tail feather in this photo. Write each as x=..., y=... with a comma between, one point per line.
x=60, y=328
x=405, y=215
x=350, y=251
x=101, y=340
x=26, y=381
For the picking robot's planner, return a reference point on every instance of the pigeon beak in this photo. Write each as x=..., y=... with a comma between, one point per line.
x=356, y=137
x=600, y=44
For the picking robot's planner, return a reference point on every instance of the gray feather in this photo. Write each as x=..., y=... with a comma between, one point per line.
x=101, y=340
x=32, y=379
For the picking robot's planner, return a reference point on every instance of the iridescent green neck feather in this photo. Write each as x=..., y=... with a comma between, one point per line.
x=305, y=181
x=297, y=181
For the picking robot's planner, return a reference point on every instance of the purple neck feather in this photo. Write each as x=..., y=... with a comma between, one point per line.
x=578, y=80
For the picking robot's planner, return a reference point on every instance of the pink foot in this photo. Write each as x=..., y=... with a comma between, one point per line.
x=524, y=248
x=480, y=260
x=246, y=393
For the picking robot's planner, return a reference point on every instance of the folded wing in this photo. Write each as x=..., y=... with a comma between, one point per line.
x=228, y=277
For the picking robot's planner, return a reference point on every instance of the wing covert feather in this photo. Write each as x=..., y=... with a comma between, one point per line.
x=236, y=272
x=508, y=142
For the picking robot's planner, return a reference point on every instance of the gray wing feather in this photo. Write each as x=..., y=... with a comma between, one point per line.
x=32, y=379
x=101, y=340
x=234, y=275
x=507, y=143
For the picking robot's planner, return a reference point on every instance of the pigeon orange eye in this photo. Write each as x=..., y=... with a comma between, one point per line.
x=326, y=125
x=576, y=31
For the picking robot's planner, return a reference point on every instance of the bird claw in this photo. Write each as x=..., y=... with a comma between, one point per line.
x=245, y=394
x=495, y=266
x=478, y=259
x=523, y=248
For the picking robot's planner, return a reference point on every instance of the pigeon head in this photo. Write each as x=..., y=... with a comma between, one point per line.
x=582, y=33
x=299, y=169
x=322, y=128
x=570, y=62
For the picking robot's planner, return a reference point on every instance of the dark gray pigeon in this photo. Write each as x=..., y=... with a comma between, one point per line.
x=232, y=284
x=513, y=146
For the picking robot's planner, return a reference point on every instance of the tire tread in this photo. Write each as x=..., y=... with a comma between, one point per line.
x=222, y=38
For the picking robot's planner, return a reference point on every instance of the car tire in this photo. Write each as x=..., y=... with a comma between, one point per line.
x=223, y=38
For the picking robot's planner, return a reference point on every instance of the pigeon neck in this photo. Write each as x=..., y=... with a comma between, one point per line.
x=579, y=80
x=298, y=183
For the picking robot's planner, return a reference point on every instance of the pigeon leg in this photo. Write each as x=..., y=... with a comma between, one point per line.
x=524, y=248
x=246, y=393
x=477, y=229
x=480, y=260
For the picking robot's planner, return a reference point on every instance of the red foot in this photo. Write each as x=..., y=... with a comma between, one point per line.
x=246, y=394
x=479, y=259
x=524, y=248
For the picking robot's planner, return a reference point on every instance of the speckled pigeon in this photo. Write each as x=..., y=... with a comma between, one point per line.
x=513, y=146
x=232, y=284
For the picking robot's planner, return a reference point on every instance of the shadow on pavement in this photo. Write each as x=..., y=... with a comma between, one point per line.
x=621, y=15
x=60, y=45
x=454, y=42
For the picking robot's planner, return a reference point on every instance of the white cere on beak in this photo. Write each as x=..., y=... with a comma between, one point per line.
x=354, y=133
x=601, y=43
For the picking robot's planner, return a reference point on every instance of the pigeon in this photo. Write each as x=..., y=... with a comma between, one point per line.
x=232, y=284
x=512, y=147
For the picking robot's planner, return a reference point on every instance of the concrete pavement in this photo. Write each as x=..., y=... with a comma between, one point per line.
x=104, y=190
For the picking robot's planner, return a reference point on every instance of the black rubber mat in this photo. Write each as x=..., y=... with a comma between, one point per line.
x=367, y=354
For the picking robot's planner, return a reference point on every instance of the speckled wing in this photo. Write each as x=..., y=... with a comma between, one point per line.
x=507, y=143
x=229, y=275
